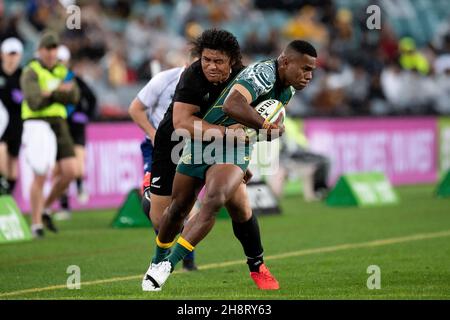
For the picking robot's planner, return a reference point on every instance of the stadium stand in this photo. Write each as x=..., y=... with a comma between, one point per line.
x=122, y=44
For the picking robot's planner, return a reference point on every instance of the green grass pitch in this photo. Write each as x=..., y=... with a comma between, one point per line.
x=315, y=251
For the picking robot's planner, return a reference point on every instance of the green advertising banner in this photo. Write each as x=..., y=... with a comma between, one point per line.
x=444, y=145
x=13, y=226
x=131, y=214
x=443, y=189
x=363, y=190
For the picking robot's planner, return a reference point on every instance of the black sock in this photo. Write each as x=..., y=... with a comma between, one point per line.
x=79, y=184
x=64, y=201
x=11, y=185
x=248, y=234
x=255, y=263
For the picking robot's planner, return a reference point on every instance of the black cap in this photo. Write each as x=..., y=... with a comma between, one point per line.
x=49, y=39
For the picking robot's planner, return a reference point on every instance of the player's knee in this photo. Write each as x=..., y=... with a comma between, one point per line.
x=39, y=180
x=240, y=214
x=178, y=210
x=69, y=174
x=214, y=201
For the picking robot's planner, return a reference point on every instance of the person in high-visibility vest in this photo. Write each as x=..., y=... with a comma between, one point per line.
x=78, y=117
x=46, y=137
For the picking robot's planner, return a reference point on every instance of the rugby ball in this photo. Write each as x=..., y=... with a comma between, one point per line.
x=271, y=110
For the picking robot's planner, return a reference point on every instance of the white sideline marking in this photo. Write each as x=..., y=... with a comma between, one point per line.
x=374, y=243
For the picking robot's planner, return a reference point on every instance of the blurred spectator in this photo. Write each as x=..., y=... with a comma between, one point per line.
x=358, y=91
x=116, y=69
x=442, y=85
x=392, y=80
x=377, y=100
x=419, y=89
x=46, y=14
x=78, y=116
x=411, y=58
x=388, y=44
x=9, y=24
x=306, y=25
x=331, y=98
x=192, y=11
x=11, y=97
x=343, y=40
x=46, y=92
x=137, y=39
x=254, y=45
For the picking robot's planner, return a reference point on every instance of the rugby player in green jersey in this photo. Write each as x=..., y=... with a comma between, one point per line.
x=223, y=169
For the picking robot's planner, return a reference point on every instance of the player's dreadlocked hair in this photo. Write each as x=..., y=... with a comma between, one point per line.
x=220, y=40
x=303, y=47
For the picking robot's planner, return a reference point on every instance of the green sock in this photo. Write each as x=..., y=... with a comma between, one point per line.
x=177, y=254
x=160, y=254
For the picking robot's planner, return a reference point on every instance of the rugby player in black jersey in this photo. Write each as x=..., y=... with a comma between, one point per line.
x=199, y=88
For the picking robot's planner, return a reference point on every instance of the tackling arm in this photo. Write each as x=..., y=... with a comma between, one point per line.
x=184, y=118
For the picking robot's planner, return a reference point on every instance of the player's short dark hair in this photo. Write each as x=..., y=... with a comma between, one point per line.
x=220, y=40
x=303, y=47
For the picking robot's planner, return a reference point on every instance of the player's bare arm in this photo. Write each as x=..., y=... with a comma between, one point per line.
x=237, y=106
x=139, y=116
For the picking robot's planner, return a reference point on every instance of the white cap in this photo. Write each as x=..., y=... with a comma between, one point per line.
x=63, y=53
x=10, y=45
x=442, y=63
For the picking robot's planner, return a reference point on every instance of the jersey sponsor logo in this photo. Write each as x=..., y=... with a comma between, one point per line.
x=155, y=179
x=263, y=109
x=186, y=159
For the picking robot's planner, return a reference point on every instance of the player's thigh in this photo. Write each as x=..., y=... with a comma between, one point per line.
x=159, y=205
x=163, y=172
x=222, y=180
x=238, y=206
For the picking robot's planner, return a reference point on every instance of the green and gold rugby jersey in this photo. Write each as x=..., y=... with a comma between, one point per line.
x=261, y=80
